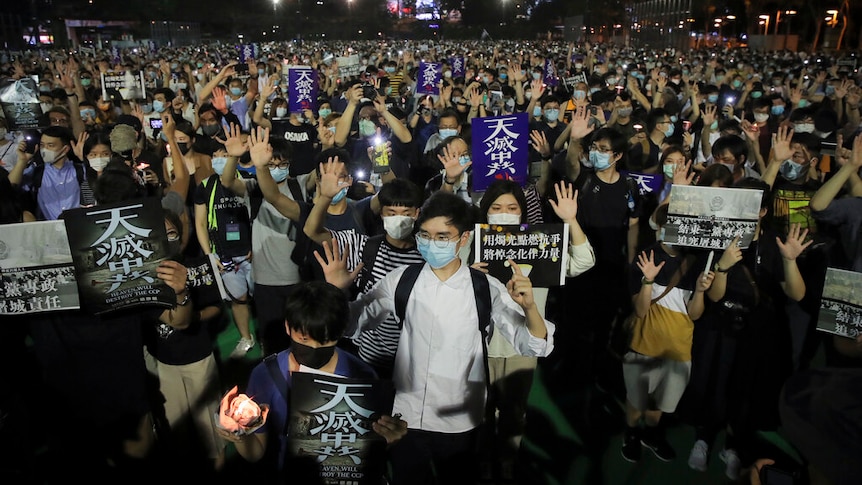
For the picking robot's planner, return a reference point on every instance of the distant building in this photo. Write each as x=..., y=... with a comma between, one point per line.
x=661, y=23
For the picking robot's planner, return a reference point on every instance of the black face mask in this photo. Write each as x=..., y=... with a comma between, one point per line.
x=175, y=248
x=184, y=147
x=310, y=356
x=211, y=130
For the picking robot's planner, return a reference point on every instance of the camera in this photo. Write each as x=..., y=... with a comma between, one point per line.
x=369, y=91
x=155, y=123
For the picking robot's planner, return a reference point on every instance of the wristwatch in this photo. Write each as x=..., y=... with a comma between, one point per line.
x=719, y=270
x=186, y=297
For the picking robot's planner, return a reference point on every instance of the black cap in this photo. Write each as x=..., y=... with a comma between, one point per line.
x=130, y=120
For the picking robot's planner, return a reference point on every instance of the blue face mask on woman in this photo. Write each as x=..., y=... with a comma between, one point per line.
x=324, y=112
x=447, y=132
x=279, y=174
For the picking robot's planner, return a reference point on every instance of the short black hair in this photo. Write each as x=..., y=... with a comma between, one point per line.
x=400, y=192
x=281, y=149
x=318, y=309
x=732, y=143
x=168, y=92
x=64, y=134
x=117, y=184
x=457, y=211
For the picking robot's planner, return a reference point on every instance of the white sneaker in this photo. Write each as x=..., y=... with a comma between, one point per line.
x=242, y=348
x=731, y=459
x=699, y=455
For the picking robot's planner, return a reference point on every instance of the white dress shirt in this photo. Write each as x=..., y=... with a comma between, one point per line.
x=439, y=372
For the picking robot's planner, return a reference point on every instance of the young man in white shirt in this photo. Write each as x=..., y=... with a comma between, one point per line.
x=439, y=373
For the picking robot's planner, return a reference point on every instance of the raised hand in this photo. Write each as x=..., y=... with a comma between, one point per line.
x=334, y=266
x=218, y=99
x=709, y=115
x=539, y=142
x=794, y=245
x=329, y=182
x=452, y=163
x=682, y=174
x=646, y=263
x=259, y=148
x=781, y=143
x=78, y=146
x=520, y=287
x=731, y=255
x=233, y=141
x=566, y=205
x=169, y=126
x=580, y=125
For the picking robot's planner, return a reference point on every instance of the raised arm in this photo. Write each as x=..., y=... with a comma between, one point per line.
x=261, y=154
x=342, y=127
x=180, y=183
x=328, y=187
x=235, y=149
x=829, y=190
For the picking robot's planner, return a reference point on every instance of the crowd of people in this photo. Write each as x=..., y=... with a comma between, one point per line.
x=291, y=205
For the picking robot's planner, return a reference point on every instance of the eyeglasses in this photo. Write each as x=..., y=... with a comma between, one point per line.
x=600, y=149
x=282, y=165
x=423, y=239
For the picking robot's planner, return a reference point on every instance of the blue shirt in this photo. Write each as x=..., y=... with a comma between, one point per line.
x=59, y=191
x=263, y=389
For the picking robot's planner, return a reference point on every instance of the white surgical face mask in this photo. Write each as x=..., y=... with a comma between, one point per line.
x=398, y=227
x=504, y=219
x=280, y=112
x=98, y=163
x=49, y=156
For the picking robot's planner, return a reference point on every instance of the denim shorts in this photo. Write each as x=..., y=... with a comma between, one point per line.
x=239, y=280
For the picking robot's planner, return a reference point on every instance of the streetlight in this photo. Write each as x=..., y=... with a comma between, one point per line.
x=765, y=19
x=274, y=4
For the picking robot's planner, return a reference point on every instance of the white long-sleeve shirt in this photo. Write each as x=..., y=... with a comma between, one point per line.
x=439, y=372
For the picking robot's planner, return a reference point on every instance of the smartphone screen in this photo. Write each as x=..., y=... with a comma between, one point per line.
x=155, y=123
x=686, y=125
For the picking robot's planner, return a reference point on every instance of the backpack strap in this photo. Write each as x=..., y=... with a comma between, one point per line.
x=482, y=293
x=278, y=378
x=296, y=193
x=271, y=362
x=369, y=257
x=402, y=291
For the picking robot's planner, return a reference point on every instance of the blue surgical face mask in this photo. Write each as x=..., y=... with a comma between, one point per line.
x=579, y=94
x=147, y=108
x=830, y=90
x=504, y=76
x=236, y=91
x=712, y=98
x=447, y=132
x=332, y=129
x=668, y=169
x=438, y=257
x=737, y=84
x=389, y=69
x=600, y=161
x=551, y=114
x=791, y=170
x=324, y=112
x=279, y=174
x=367, y=128
x=777, y=110
x=714, y=125
x=674, y=118
x=158, y=106
x=669, y=131
x=803, y=103
x=339, y=196
x=218, y=164
x=756, y=94
x=463, y=160
x=88, y=113
x=537, y=76
x=537, y=111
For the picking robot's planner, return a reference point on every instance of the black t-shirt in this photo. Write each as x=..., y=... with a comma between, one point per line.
x=228, y=221
x=604, y=211
x=193, y=343
x=551, y=134
x=303, y=139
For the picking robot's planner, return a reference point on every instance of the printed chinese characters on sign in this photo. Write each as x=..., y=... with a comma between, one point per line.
x=540, y=250
x=500, y=149
x=303, y=89
x=841, y=304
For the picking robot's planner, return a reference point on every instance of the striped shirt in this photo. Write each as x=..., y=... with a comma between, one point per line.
x=376, y=346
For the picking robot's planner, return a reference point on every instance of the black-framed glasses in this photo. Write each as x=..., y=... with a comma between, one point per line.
x=281, y=165
x=423, y=239
x=600, y=149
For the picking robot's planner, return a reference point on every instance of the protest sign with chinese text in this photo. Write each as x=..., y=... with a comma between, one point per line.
x=348, y=66
x=648, y=183
x=330, y=423
x=710, y=217
x=116, y=249
x=841, y=303
x=20, y=101
x=428, y=78
x=203, y=271
x=36, y=269
x=302, y=82
x=540, y=250
x=500, y=149
x=550, y=73
x=130, y=84
x=457, y=64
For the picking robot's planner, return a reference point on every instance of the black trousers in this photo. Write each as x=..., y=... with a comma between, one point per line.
x=431, y=458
